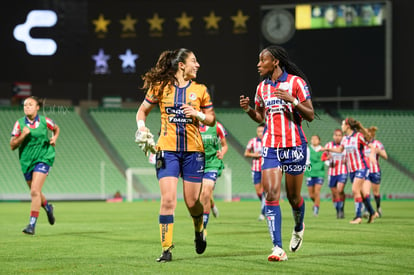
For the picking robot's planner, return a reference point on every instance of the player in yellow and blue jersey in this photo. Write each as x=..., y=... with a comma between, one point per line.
x=183, y=105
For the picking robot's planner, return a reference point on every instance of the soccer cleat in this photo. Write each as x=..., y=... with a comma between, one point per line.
x=278, y=255
x=215, y=211
x=356, y=220
x=200, y=242
x=372, y=217
x=379, y=211
x=296, y=240
x=166, y=255
x=315, y=211
x=50, y=216
x=261, y=217
x=29, y=230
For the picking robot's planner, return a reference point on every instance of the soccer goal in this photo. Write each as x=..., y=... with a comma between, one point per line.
x=141, y=183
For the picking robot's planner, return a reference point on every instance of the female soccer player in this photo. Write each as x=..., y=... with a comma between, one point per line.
x=315, y=174
x=283, y=100
x=215, y=147
x=36, y=155
x=374, y=177
x=337, y=173
x=358, y=165
x=254, y=150
x=183, y=104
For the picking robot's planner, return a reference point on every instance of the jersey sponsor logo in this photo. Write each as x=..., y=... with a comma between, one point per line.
x=174, y=111
x=180, y=120
x=274, y=101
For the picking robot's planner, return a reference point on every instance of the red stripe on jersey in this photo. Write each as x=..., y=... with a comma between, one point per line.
x=354, y=147
x=337, y=162
x=374, y=168
x=282, y=120
x=255, y=146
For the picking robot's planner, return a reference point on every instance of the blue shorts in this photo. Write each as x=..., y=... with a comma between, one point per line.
x=375, y=178
x=291, y=160
x=334, y=180
x=40, y=167
x=211, y=175
x=256, y=177
x=188, y=165
x=359, y=174
x=313, y=181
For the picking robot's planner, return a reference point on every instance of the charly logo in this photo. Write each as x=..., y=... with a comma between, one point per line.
x=37, y=19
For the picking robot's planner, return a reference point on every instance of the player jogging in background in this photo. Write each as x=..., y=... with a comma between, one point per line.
x=36, y=155
x=358, y=165
x=315, y=172
x=215, y=147
x=183, y=105
x=254, y=150
x=283, y=100
x=337, y=173
x=374, y=177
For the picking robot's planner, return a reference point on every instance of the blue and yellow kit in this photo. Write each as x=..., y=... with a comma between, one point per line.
x=180, y=133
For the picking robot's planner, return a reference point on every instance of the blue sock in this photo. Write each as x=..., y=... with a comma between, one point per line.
x=368, y=206
x=205, y=219
x=299, y=215
x=358, y=207
x=274, y=222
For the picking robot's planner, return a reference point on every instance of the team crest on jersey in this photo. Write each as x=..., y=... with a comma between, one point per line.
x=192, y=96
x=284, y=86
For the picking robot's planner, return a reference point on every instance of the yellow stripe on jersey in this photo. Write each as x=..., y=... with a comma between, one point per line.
x=179, y=133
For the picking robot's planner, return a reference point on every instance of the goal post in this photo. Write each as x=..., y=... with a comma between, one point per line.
x=222, y=190
x=129, y=173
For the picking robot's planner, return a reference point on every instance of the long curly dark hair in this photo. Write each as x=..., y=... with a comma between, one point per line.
x=163, y=73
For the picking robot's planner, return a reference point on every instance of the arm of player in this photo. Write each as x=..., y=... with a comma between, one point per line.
x=255, y=114
x=207, y=116
x=382, y=153
x=224, y=148
x=56, y=132
x=338, y=149
x=17, y=140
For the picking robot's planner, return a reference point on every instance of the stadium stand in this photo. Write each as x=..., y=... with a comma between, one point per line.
x=77, y=172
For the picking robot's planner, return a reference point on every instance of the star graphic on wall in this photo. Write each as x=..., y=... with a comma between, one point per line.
x=240, y=19
x=128, y=59
x=155, y=22
x=212, y=21
x=101, y=24
x=184, y=21
x=101, y=62
x=128, y=23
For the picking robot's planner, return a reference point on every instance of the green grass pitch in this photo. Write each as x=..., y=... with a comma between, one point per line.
x=123, y=238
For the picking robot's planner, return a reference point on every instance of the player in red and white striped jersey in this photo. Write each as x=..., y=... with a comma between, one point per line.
x=374, y=177
x=254, y=150
x=353, y=144
x=337, y=172
x=283, y=101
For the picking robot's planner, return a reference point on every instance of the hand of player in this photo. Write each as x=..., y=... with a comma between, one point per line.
x=282, y=94
x=244, y=102
x=26, y=131
x=145, y=140
x=188, y=110
x=219, y=155
x=52, y=141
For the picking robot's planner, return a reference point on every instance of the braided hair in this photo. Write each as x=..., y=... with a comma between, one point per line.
x=281, y=54
x=163, y=73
